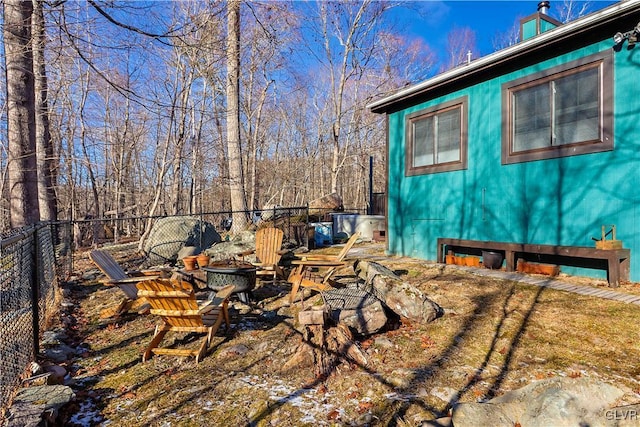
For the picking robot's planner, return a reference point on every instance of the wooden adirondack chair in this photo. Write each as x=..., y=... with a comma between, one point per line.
x=116, y=276
x=268, y=252
x=327, y=264
x=175, y=302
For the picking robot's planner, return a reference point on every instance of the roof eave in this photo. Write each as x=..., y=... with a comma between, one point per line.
x=547, y=40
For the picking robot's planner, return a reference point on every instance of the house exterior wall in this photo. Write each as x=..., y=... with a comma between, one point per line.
x=562, y=201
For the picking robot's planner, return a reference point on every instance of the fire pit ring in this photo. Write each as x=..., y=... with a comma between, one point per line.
x=240, y=274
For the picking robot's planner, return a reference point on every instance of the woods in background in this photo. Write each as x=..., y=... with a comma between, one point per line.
x=152, y=108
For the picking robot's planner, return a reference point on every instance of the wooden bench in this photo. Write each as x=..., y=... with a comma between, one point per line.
x=615, y=261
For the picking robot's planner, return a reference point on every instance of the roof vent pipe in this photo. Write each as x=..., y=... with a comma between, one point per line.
x=543, y=7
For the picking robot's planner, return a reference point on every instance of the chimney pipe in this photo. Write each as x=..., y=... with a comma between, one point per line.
x=543, y=7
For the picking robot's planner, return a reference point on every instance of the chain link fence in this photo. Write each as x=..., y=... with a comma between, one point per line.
x=28, y=290
x=32, y=260
x=167, y=234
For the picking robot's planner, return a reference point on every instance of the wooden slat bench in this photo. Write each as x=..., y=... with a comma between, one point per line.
x=615, y=261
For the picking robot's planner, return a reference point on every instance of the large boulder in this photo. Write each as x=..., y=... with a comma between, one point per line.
x=558, y=402
x=169, y=235
x=362, y=312
x=402, y=298
x=325, y=204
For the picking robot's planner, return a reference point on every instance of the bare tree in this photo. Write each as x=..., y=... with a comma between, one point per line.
x=236, y=176
x=348, y=32
x=507, y=38
x=21, y=112
x=572, y=9
x=47, y=198
x=461, y=47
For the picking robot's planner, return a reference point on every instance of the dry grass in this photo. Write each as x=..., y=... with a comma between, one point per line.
x=495, y=336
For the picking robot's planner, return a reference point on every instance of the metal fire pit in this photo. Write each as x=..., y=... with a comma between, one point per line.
x=240, y=274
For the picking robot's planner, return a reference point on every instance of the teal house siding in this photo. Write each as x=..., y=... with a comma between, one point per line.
x=556, y=201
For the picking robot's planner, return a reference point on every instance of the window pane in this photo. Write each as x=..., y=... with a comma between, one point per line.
x=449, y=136
x=531, y=118
x=577, y=112
x=423, y=151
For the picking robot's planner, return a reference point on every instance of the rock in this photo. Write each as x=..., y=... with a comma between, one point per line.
x=362, y=320
x=624, y=416
x=446, y=394
x=53, y=338
x=556, y=401
x=440, y=422
x=38, y=405
x=402, y=298
x=89, y=276
x=325, y=204
x=186, y=251
x=228, y=250
x=169, y=235
x=268, y=211
x=57, y=374
x=481, y=415
x=234, y=351
x=383, y=342
x=356, y=308
x=59, y=353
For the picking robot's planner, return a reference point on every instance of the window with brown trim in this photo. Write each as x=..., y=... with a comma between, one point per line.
x=561, y=112
x=437, y=139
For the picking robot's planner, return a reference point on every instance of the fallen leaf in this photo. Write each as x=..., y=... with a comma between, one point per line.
x=366, y=344
x=426, y=342
x=364, y=407
x=353, y=395
x=333, y=415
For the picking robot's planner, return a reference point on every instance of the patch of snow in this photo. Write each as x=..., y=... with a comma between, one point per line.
x=87, y=415
x=305, y=399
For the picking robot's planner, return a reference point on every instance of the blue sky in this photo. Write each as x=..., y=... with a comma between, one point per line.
x=432, y=20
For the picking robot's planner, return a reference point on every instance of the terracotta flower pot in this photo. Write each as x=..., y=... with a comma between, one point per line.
x=190, y=262
x=203, y=260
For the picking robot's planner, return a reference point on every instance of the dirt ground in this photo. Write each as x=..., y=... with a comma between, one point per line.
x=495, y=336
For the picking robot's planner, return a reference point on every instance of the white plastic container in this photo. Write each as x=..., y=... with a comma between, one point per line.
x=365, y=224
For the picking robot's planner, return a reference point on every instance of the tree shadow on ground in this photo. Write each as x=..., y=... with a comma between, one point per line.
x=483, y=305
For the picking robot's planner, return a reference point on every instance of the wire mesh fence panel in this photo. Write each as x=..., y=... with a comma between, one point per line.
x=293, y=221
x=28, y=286
x=62, y=240
x=16, y=310
x=159, y=239
x=46, y=265
x=32, y=258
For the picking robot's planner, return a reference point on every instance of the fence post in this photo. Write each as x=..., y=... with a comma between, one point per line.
x=306, y=227
x=35, y=291
x=201, y=230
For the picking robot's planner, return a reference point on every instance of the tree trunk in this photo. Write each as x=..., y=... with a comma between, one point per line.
x=236, y=178
x=47, y=199
x=23, y=180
